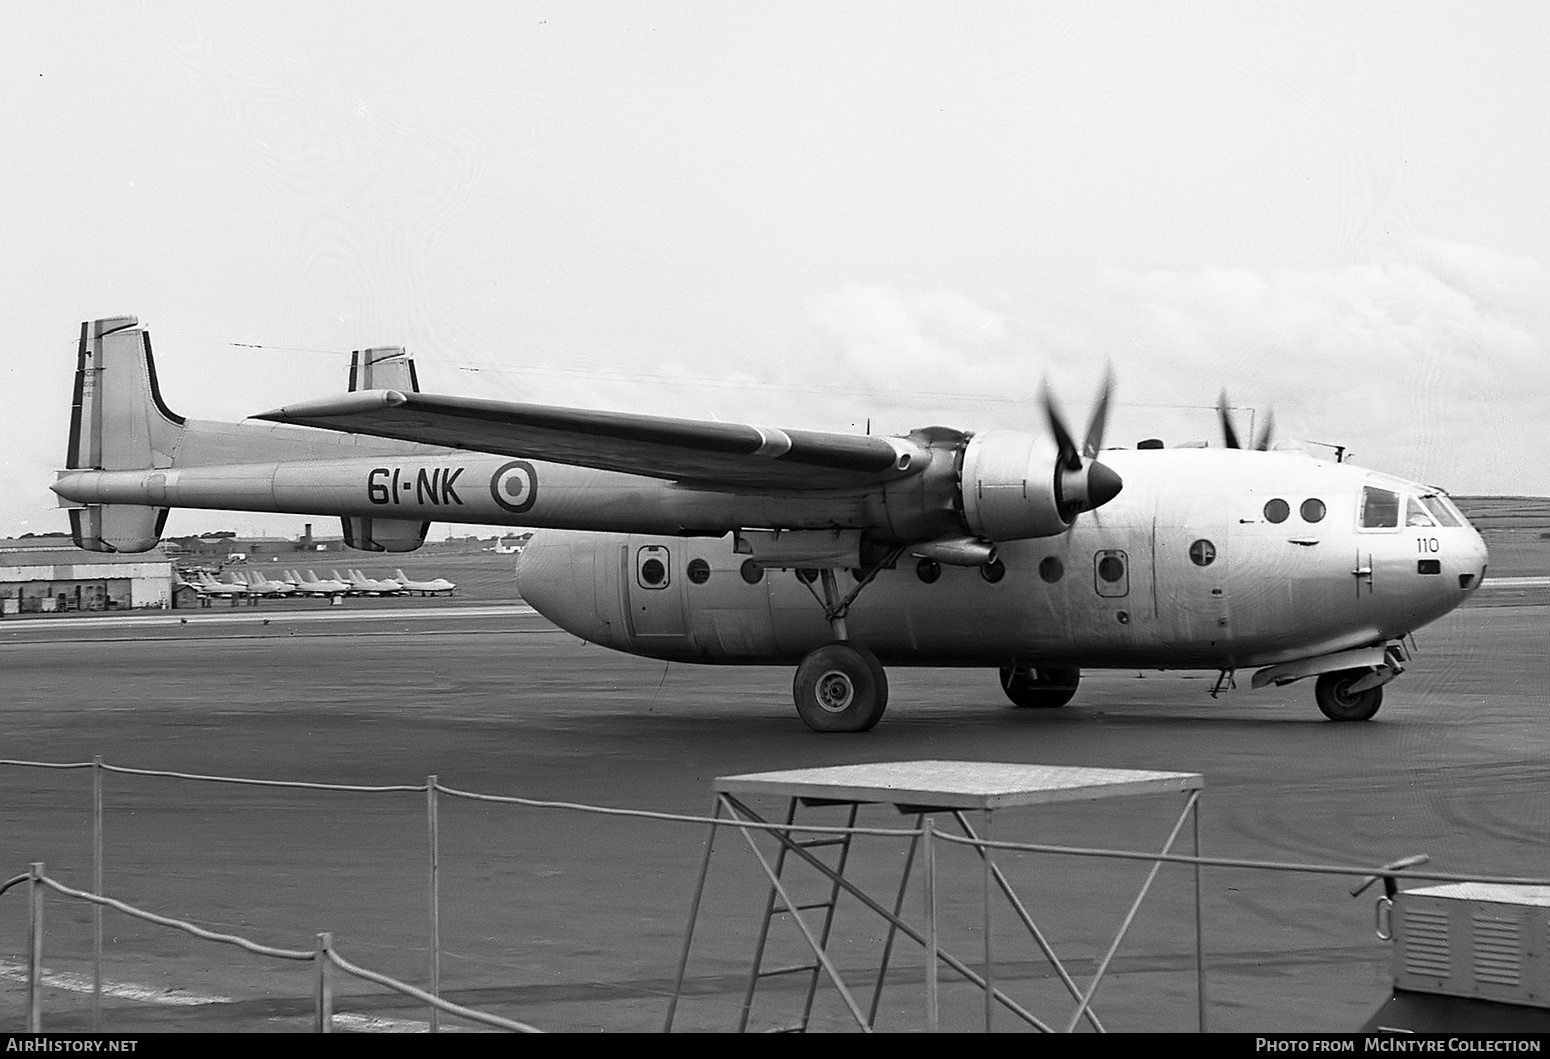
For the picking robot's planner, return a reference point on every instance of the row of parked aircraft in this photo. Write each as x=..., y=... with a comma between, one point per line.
x=252, y=584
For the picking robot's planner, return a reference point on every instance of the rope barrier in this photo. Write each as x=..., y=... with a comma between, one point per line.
x=166, y=921
x=299, y=955
x=1230, y=862
x=680, y=818
x=686, y=818
x=246, y=782
x=419, y=994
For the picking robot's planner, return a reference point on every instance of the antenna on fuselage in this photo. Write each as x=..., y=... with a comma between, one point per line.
x=1340, y=452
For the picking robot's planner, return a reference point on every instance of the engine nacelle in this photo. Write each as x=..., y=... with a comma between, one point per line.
x=1010, y=487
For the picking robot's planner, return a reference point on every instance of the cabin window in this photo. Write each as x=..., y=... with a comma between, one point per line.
x=993, y=572
x=928, y=570
x=698, y=571
x=1416, y=515
x=1312, y=510
x=1439, y=511
x=752, y=572
x=1201, y=553
x=1277, y=510
x=1380, y=508
x=1051, y=569
x=808, y=575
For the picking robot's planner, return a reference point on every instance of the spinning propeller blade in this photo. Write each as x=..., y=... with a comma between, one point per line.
x=1230, y=433
x=1083, y=482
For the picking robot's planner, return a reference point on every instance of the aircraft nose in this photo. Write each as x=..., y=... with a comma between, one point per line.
x=1477, y=557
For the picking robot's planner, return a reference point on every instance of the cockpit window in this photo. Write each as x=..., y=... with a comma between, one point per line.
x=1441, y=510
x=1380, y=508
x=1416, y=515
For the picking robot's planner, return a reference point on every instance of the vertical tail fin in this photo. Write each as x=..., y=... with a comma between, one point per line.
x=118, y=422
x=383, y=368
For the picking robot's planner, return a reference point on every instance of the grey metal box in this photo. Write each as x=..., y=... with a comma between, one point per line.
x=1481, y=940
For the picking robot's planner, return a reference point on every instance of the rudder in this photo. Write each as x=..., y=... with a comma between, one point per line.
x=118, y=422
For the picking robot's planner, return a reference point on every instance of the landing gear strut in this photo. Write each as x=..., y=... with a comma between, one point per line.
x=1339, y=702
x=841, y=687
x=1041, y=688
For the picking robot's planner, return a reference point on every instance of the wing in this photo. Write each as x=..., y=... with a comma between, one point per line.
x=705, y=453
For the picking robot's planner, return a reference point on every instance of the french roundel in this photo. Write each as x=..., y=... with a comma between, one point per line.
x=515, y=486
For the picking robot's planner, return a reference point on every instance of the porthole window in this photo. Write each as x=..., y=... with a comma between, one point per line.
x=928, y=570
x=1202, y=553
x=752, y=572
x=652, y=572
x=1051, y=569
x=993, y=572
x=1312, y=510
x=1111, y=568
x=698, y=571
x=1277, y=510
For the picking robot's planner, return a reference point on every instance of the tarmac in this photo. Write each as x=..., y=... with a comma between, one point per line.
x=574, y=922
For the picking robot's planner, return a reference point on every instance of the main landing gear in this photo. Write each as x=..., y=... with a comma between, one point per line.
x=1040, y=688
x=841, y=686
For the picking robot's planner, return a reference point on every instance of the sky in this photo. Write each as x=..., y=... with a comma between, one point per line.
x=817, y=215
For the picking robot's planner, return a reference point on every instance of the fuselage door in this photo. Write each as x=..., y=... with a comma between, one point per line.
x=656, y=594
x=1191, y=568
x=1111, y=573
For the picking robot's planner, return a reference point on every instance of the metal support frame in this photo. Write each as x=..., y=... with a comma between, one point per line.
x=836, y=607
x=925, y=838
x=35, y=948
x=433, y=824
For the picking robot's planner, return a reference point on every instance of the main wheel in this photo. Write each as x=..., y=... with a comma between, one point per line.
x=840, y=687
x=1339, y=703
x=1040, y=688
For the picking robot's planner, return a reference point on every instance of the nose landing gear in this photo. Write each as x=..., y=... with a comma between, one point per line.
x=1339, y=700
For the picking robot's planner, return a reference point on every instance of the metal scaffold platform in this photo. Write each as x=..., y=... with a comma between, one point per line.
x=928, y=791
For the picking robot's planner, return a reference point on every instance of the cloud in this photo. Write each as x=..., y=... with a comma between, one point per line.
x=1431, y=361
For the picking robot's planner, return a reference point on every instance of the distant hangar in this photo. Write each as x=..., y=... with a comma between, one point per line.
x=37, y=577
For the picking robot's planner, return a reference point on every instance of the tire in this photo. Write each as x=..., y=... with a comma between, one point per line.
x=1043, y=689
x=1337, y=701
x=840, y=687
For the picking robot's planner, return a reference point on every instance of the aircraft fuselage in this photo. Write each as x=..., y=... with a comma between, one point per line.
x=1185, y=569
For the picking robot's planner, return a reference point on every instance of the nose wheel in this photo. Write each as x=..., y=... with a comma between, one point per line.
x=1339, y=702
x=840, y=687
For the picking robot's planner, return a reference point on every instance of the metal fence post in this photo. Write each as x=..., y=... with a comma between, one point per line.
x=96, y=883
x=430, y=808
x=323, y=985
x=35, y=949
x=928, y=865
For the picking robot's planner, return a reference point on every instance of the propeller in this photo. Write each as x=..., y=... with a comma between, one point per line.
x=1082, y=482
x=1230, y=433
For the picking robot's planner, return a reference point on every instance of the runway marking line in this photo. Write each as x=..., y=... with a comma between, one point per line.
x=80, y=983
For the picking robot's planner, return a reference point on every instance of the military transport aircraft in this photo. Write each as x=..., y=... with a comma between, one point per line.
x=1019, y=551
x=425, y=588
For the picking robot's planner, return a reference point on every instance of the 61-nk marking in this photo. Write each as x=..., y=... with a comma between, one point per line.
x=429, y=486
